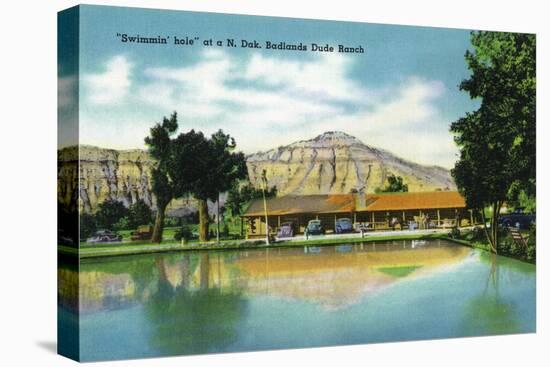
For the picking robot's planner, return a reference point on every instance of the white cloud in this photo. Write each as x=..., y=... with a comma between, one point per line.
x=323, y=78
x=268, y=101
x=110, y=86
x=262, y=90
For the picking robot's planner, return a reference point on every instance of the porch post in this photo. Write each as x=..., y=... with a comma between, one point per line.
x=372, y=221
x=471, y=217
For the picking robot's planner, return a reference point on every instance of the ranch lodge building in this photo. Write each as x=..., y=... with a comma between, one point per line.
x=386, y=211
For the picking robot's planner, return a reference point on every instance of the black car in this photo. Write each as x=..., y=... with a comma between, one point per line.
x=314, y=227
x=104, y=236
x=518, y=218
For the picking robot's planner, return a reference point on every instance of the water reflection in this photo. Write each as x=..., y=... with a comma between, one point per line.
x=491, y=312
x=334, y=277
x=184, y=303
x=338, y=277
x=192, y=320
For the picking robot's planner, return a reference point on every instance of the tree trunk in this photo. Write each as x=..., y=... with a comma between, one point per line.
x=159, y=224
x=204, y=220
x=494, y=228
x=218, y=220
x=496, y=214
x=488, y=234
x=492, y=236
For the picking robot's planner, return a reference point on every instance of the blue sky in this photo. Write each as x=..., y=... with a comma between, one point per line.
x=400, y=95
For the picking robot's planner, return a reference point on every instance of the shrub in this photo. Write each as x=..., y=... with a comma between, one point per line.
x=455, y=233
x=87, y=225
x=477, y=234
x=172, y=221
x=507, y=246
x=531, y=254
x=109, y=213
x=139, y=213
x=183, y=233
x=122, y=224
x=225, y=230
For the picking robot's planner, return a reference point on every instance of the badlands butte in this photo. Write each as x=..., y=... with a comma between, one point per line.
x=333, y=162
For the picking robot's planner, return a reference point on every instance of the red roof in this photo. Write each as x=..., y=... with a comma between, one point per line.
x=345, y=203
x=290, y=204
x=414, y=200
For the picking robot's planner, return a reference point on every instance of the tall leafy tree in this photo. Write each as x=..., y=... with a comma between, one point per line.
x=190, y=167
x=191, y=164
x=229, y=167
x=497, y=141
x=109, y=213
x=206, y=167
x=159, y=144
x=139, y=213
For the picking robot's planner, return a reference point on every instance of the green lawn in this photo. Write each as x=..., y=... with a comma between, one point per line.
x=144, y=247
x=168, y=235
x=233, y=241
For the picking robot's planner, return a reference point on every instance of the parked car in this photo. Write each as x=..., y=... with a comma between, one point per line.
x=314, y=227
x=104, y=236
x=518, y=218
x=343, y=225
x=142, y=233
x=286, y=230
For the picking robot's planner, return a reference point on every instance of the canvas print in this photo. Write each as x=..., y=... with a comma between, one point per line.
x=233, y=183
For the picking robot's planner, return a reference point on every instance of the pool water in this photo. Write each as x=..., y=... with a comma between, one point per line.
x=244, y=300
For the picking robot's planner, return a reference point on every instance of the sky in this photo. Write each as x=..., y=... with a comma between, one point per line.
x=401, y=94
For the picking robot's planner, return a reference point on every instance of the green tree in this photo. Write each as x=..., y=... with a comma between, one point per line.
x=191, y=164
x=204, y=168
x=159, y=144
x=394, y=184
x=519, y=197
x=190, y=169
x=497, y=141
x=239, y=196
x=139, y=214
x=122, y=224
x=109, y=213
x=88, y=225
